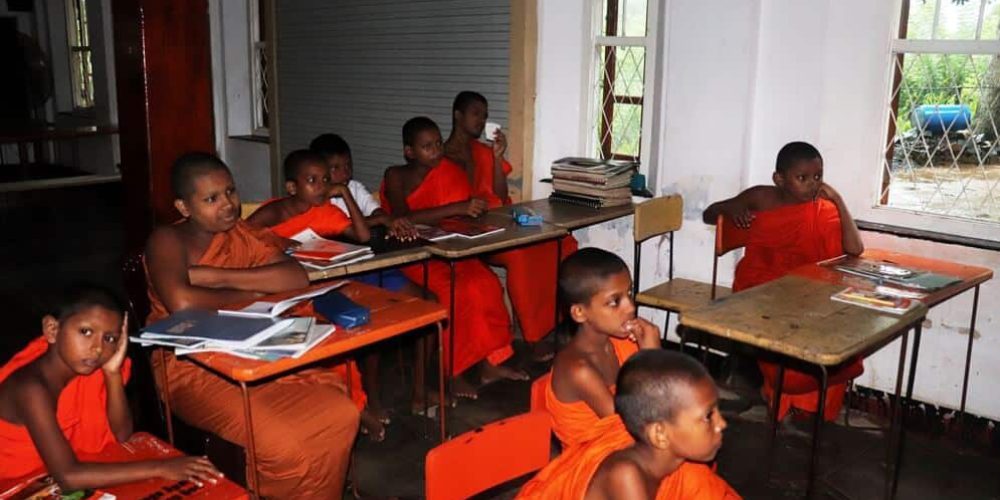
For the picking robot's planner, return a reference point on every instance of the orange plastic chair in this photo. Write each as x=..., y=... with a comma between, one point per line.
x=538, y=392
x=488, y=456
x=728, y=237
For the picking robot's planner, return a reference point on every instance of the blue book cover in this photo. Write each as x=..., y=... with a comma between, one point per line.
x=236, y=331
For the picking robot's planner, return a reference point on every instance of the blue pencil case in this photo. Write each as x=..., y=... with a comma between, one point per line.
x=340, y=310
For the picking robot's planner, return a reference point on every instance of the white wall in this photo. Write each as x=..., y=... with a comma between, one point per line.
x=742, y=78
x=249, y=160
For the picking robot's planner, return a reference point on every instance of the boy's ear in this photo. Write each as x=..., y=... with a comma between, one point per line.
x=290, y=188
x=658, y=435
x=456, y=115
x=182, y=208
x=778, y=179
x=50, y=328
x=578, y=313
x=408, y=152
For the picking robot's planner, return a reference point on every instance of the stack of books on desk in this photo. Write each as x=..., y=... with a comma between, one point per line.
x=592, y=182
x=316, y=252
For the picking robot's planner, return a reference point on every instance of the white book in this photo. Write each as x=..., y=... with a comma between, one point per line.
x=265, y=309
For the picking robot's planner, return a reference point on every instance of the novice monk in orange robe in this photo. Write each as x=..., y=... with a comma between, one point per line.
x=64, y=395
x=666, y=426
x=304, y=423
x=596, y=285
x=527, y=267
x=800, y=220
x=425, y=190
x=308, y=183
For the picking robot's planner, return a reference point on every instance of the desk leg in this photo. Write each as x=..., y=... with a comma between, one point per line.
x=824, y=382
x=253, y=481
x=917, y=330
x=441, y=375
x=166, y=397
x=895, y=426
x=451, y=321
x=555, y=321
x=968, y=352
x=775, y=406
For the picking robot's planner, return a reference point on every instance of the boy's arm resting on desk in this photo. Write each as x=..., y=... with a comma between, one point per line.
x=396, y=195
x=37, y=410
x=168, y=275
x=275, y=277
x=358, y=230
x=850, y=236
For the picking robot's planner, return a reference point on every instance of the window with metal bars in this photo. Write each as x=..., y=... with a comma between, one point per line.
x=259, y=17
x=81, y=67
x=942, y=153
x=622, y=47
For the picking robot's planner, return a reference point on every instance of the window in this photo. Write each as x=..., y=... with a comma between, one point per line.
x=259, y=15
x=942, y=153
x=79, y=54
x=623, y=46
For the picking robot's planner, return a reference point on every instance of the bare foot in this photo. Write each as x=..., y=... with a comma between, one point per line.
x=491, y=373
x=542, y=351
x=461, y=388
x=433, y=399
x=372, y=427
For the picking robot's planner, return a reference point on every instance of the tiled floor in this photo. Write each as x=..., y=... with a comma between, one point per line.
x=60, y=236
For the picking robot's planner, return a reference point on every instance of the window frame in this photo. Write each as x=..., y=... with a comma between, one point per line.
x=256, y=45
x=597, y=44
x=874, y=210
x=72, y=48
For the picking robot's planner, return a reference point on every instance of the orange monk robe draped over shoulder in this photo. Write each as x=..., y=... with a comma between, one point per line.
x=81, y=411
x=779, y=241
x=304, y=423
x=531, y=270
x=575, y=423
x=482, y=326
x=327, y=221
x=568, y=476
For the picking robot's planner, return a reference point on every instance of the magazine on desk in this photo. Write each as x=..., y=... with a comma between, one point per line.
x=873, y=299
x=191, y=328
x=467, y=227
x=314, y=247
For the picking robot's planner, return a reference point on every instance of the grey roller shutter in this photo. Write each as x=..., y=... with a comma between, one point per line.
x=362, y=68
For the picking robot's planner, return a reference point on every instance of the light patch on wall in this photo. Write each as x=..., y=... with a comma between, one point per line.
x=695, y=191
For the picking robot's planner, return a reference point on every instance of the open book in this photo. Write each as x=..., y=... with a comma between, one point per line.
x=265, y=309
x=315, y=247
x=184, y=327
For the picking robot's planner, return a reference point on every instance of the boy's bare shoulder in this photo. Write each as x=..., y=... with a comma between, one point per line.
x=573, y=369
x=169, y=235
x=761, y=197
x=21, y=386
x=621, y=474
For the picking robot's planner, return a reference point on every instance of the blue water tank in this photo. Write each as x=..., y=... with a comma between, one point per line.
x=936, y=118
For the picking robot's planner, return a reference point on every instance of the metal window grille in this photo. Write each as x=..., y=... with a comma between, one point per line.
x=620, y=62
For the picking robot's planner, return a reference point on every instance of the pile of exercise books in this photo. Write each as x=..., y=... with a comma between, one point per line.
x=316, y=252
x=255, y=331
x=592, y=182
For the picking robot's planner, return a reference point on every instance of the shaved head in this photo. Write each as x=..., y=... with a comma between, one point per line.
x=652, y=387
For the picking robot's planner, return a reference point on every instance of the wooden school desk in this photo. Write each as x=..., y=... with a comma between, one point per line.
x=140, y=446
x=970, y=276
x=570, y=216
x=379, y=262
x=513, y=235
x=392, y=314
x=793, y=316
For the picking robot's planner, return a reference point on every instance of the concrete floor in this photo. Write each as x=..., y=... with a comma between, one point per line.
x=65, y=235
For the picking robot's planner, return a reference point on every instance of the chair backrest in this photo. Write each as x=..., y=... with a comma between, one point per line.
x=658, y=216
x=249, y=207
x=488, y=456
x=538, y=392
x=653, y=218
x=134, y=277
x=728, y=237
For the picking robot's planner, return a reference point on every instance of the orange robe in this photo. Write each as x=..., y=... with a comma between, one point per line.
x=779, y=241
x=327, y=221
x=482, y=326
x=531, y=270
x=81, y=411
x=575, y=423
x=304, y=423
x=569, y=475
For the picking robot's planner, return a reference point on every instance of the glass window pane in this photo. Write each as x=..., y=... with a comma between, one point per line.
x=629, y=70
x=626, y=130
x=991, y=21
x=943, y=157
x=634, y=18
x=957, y=20
x=921, y=19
